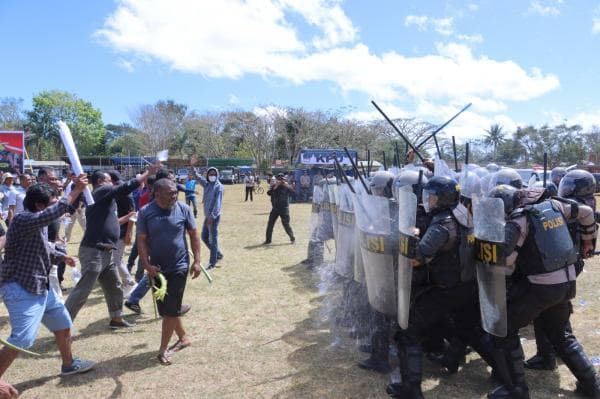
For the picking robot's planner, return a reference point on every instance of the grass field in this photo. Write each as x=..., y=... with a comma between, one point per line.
x=257, y=332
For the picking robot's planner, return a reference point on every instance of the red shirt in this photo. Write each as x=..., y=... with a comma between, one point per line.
x=145, y=198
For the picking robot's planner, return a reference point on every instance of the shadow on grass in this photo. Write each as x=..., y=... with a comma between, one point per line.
x=266, y=246
x=112, y=368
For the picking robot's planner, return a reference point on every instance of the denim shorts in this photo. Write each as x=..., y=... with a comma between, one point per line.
x=27, y=311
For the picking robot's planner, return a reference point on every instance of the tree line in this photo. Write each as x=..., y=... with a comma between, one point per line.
x=270, y=132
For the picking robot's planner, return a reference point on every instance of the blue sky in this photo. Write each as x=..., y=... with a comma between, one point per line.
x=520, y=62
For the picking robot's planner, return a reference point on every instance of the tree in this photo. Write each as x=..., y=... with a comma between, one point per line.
x=160, y=123
x=84, y=121
x=494, y=137
x=11, y=113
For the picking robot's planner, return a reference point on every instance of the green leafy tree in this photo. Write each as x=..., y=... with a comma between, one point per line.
x=11, y=113
x=84, y=121
x=494, y=137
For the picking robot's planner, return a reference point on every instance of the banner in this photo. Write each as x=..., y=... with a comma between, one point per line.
x=325, y=157
x=12, y=145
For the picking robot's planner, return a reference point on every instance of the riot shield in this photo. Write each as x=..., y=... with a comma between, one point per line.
x=317, y=198
x=375, y=234
x=488, y=220
x=325, y=227
x=344, y=242
x=332, y=189
x=407, y=221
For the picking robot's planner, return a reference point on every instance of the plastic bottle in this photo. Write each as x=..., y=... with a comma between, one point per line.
x=75, y=275
x=54, y=283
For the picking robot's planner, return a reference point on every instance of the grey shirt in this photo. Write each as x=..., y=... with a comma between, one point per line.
x=165, y=230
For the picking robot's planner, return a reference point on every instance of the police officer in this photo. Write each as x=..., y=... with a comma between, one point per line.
x=507, y=176
x=381, y=186
x=452, y=286
x=577, y=185
x=557, y=174
x=541, y=249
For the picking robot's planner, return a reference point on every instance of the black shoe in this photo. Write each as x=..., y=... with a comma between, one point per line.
x=588, y=390
x=505, y=392
x=219, y=256
x=115, y=325
x=293, y=240
x=306, y=262
x=266, y=243
x=448, y=362
x=374, y=364
x=404, y=391
x=541, y=362
x=184, y=309
x=210, y=267
x=134, y=307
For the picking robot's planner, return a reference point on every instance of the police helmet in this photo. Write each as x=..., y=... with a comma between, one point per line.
x=551, y=189
x=470, y=185
x=557, y=174
x=507, y=194
x=577, y=183
x=482, y=172
x=492, y=167
x=381, y=183
x=409, y=178
x=440, y=193
x=507, y=176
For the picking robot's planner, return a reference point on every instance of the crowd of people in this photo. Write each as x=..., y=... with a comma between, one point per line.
x=438, y=263
x=30, y=280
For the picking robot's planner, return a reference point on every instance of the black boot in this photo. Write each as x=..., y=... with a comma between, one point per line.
x=582, y=368
x=545, y=358
x=509, y=367
x=378, y=361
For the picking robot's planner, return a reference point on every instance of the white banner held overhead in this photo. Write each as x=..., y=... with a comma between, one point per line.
x=67, y=139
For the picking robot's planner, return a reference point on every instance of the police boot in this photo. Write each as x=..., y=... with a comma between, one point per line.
x=576, y=360
x=545, y=358
x=509, y=367
x=378, y=361
x=484, y=347
x=452, y=357
x=414, y=371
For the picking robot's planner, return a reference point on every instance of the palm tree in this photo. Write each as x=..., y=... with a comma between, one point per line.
x=494, y=137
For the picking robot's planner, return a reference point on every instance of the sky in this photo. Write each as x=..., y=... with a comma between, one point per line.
x=520, y=62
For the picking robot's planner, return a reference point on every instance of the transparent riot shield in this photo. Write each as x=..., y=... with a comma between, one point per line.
x=332, y=189
x=488, y=220
x=344, y=242
x=317, y=198
x=325, y=225
x=375, y=234
x=407, y=221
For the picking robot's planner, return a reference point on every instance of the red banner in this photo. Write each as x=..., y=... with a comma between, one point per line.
x=12, y=150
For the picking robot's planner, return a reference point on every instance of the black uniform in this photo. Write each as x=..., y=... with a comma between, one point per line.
x=543, y=285
x=281, y=209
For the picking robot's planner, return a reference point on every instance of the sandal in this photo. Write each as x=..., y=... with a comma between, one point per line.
x=179, y=345
x=164, y=359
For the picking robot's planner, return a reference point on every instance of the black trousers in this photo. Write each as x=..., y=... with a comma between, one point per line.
x=284, y=214
x=249, y=191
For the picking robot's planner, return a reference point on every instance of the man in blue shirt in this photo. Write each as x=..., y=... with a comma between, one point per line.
x=190, y=193
x=162, y=225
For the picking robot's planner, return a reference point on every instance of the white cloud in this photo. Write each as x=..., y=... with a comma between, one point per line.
x=233, y=99
x=545, y=8
x=475, y=39
x=596, y=21
x=126, y=65
x=443, y=26
x=420, y=21
x=234, y=38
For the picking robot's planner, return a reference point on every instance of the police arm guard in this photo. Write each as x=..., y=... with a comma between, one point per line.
x=434, y=239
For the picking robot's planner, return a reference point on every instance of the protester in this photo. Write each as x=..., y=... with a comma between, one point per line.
x=98, y=243
x=24, y=278
x=190, y=193
x=7, y=391
x=163, y=248
x=213, y=200
x=16, y=197
x=249, y=182
x=125, y=210
x=77, y=216
x=7, y=188
x=280, y=193
x=144, y=198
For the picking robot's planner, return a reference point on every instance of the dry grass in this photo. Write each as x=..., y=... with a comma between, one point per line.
x=256, y=333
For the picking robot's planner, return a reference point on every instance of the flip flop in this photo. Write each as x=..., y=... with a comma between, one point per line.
x=164, y=359
x=178, y=346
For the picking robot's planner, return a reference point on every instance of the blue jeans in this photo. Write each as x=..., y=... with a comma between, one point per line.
x=140, y=291
x=191, y=201
x=210, y=236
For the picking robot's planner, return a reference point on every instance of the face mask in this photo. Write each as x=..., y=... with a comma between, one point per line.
x=212, y=178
